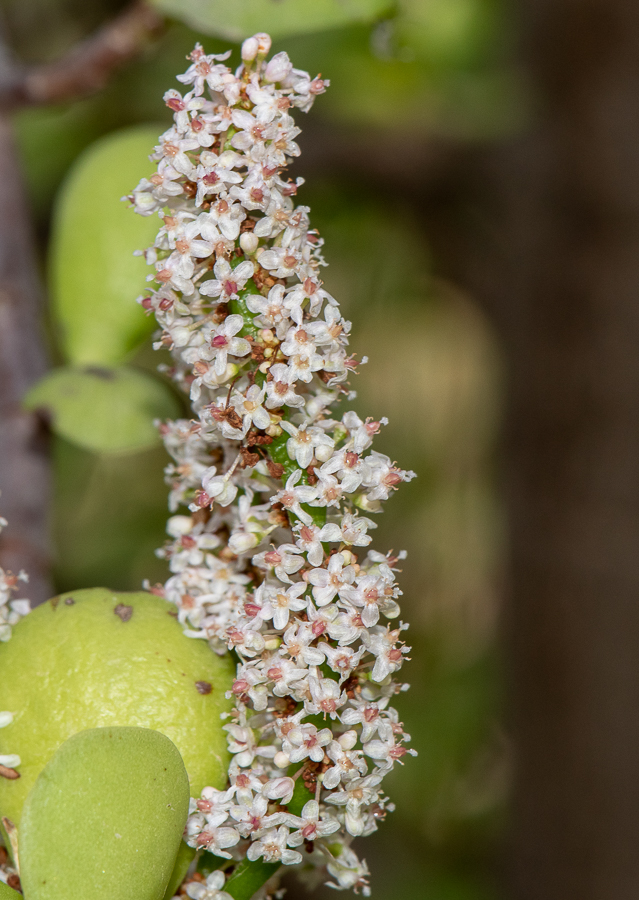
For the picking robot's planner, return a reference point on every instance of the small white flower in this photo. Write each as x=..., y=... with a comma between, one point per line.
x=211, y=889
x=306, y=442
x=280, y=388
x=305, y=740
x=284, y=560
x=278, y=68
x=282, y=602
x=272, y=848
x=216, y=840
x=293, y=495
x=224, y=343
x=227, y=281
x=329, y=582
x=357, y=793
x=310, y=824
x=219, y=487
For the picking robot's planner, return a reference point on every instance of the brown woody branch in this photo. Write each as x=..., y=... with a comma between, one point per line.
x=87, y=67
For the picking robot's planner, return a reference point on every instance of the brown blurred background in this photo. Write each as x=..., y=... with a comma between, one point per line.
x=474, y=172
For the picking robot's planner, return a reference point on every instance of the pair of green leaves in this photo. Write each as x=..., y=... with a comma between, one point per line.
x=96, y=401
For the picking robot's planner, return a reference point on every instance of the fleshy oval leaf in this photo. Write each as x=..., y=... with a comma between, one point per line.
x=95, y=278
x=104, y=410
x=7, y=893
x=105, y=818
x=280, y=18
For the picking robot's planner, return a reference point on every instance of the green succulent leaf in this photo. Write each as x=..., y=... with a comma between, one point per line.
x=280, y=18
x=95, y=278
x=105, y=818
x=104, y=410
x=7, y=893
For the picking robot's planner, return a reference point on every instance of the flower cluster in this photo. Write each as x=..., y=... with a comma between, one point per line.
x=273, y=560
x=11, y=610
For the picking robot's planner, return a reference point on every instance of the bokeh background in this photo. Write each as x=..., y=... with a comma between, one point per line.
x=431, y=109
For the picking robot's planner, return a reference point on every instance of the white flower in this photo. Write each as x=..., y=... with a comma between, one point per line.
x=306, y=442
x=357, y=793
x=216, y=840
x=252, y=818
x=292, y=495
x=280, y=388
x=383, y=645
x=310, y=538
x=283, y=560
x=326, y=695
x=270, y=311
x=211, y=889
x=224, y=343
x=204, y=71
x=332, y=580
x=342, y=660
x=244, y=783
x=227, y=218
x=348, y=763
x=272, y=848
x=349, y=872
x=305, y=740
x=298, y=638
x=219, y=487
x=281, y=602
x=386, y=753
x=310, y=824
x=228, y=281
x=278, y=68
x=365, y=713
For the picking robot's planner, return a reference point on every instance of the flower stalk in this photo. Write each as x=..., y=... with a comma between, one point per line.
x=271, y=486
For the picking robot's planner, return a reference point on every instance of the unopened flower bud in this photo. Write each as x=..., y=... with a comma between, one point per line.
x=278, y=68
x=177, y=526
x=348, y=740
x=281, y=760
x=263, y=43
x=249, y=242
x=250, y=49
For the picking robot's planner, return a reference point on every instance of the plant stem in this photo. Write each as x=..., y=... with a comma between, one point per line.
x=249, y=877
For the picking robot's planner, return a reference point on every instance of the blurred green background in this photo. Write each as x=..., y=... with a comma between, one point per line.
x=429, y=69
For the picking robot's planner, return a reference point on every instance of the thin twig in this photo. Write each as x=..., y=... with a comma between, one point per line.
x=87, y=67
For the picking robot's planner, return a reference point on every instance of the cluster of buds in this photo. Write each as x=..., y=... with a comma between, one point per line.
x=271, y=492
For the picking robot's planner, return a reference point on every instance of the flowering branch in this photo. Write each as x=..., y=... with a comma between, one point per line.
x=272, y=561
